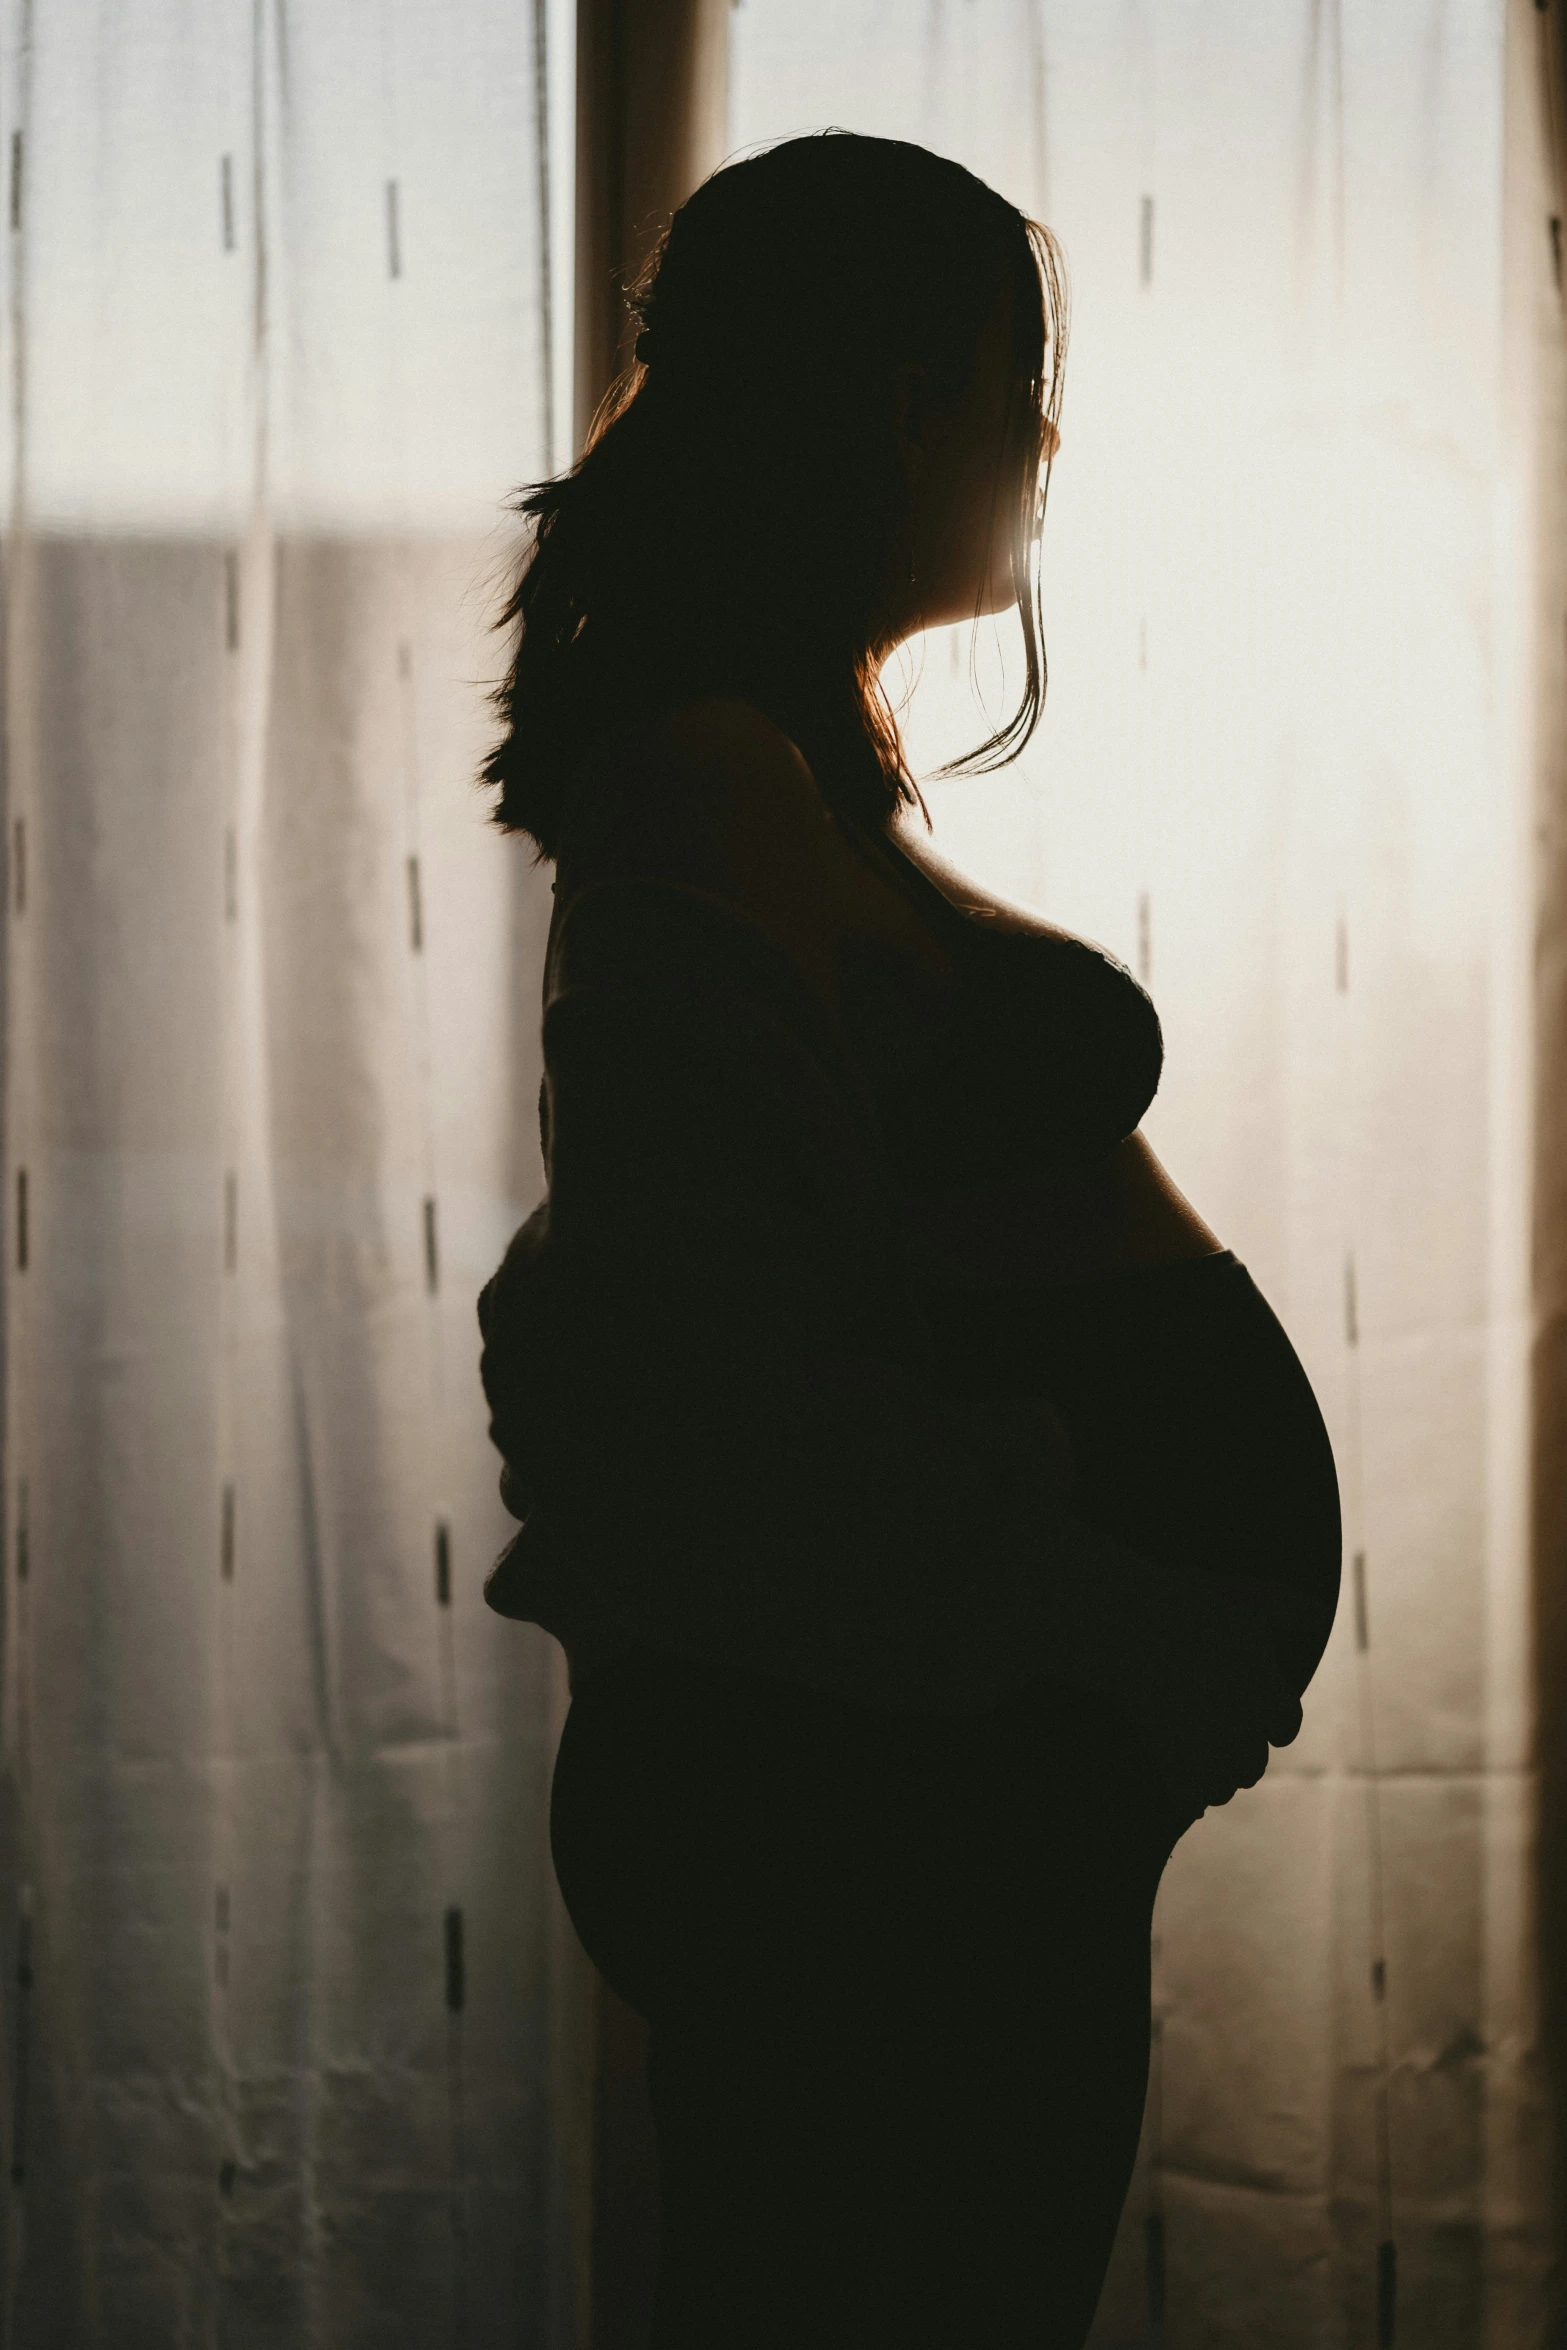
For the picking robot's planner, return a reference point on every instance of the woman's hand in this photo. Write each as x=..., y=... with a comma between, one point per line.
x=1191, y=1662
x=1214, y=1700
x=515, y=1495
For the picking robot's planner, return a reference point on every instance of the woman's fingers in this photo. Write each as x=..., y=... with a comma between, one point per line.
x=1285, y=1720
x=515, y=1495
x=1193, y=1663
x=1241, y=1767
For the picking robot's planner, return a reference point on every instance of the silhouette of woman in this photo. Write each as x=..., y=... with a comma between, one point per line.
x=935, y=1515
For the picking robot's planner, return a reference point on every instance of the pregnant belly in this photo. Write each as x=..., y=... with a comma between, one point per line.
x=1196, y=1435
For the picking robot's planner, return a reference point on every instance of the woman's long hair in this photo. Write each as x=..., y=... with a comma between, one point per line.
x=739, y=509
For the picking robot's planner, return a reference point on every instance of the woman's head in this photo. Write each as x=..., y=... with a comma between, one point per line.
x=847, y=377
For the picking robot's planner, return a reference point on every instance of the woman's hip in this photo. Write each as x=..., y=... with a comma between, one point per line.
x=724, y=1841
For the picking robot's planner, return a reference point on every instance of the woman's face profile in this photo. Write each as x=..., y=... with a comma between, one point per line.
x=961, y=465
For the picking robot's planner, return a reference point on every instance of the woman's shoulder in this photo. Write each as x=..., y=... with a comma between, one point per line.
x=714, y=795
x=710, y=796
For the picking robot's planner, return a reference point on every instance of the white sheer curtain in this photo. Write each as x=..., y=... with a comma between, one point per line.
x=285, y=1980
x=1296, y=607
x=280, y=1939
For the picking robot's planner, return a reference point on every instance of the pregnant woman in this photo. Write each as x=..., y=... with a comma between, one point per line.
x=934, y=1514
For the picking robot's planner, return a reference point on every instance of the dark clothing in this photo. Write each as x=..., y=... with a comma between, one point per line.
x=711, y=1374
x=1047, y=1055
x=839, y=1805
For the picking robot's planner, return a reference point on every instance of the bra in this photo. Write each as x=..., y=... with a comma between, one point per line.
x=1043, y=1057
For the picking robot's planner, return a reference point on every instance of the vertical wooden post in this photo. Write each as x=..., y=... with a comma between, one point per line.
x=652, y=123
